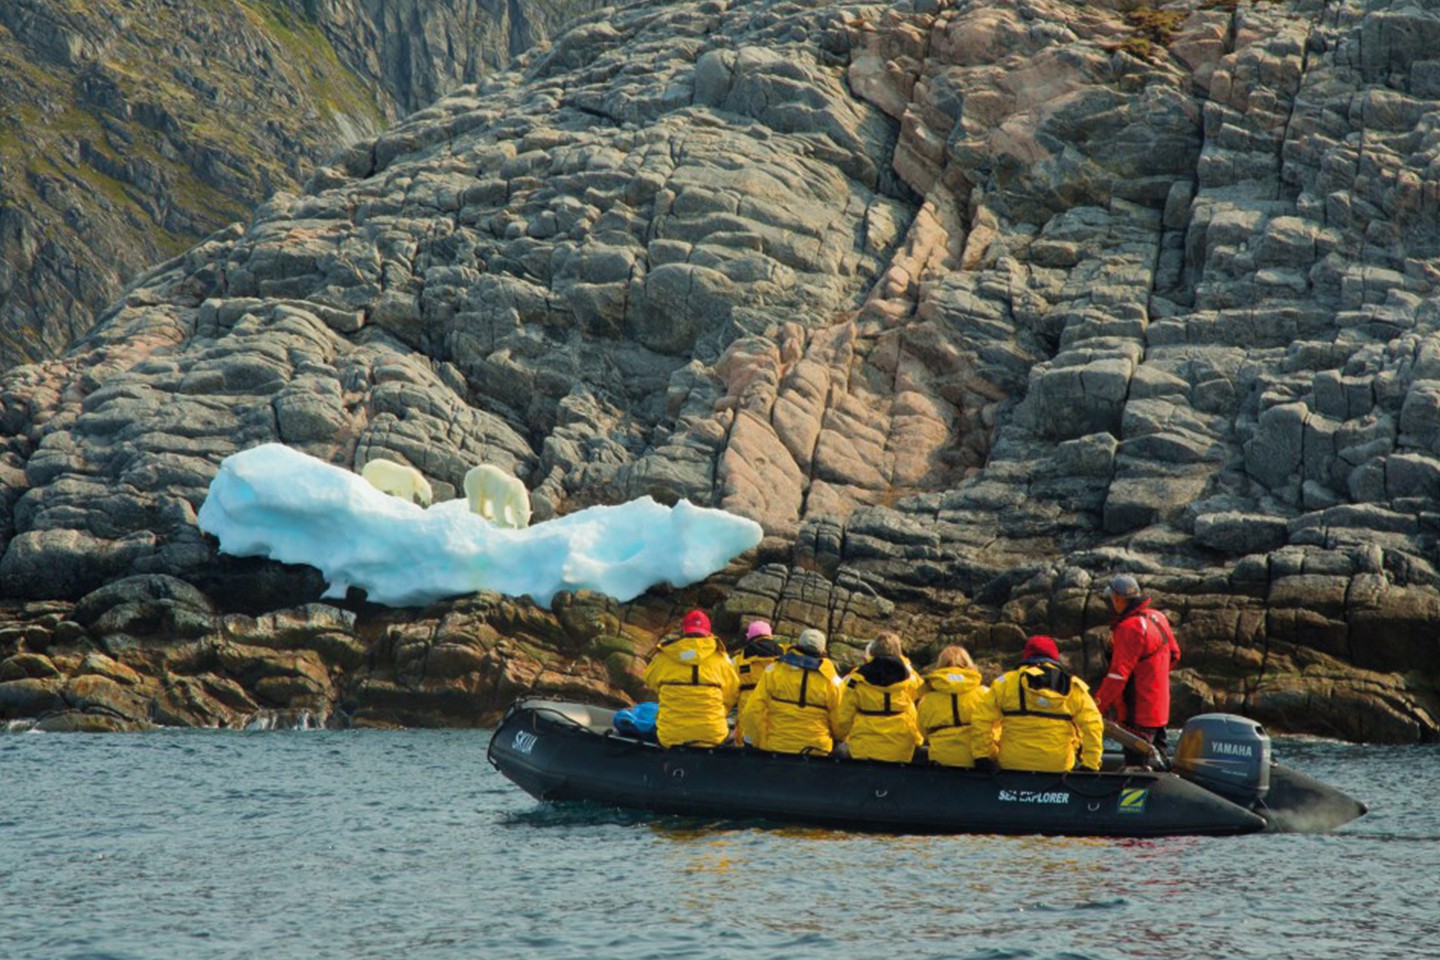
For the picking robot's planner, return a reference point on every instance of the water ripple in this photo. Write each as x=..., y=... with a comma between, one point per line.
x=376, y=845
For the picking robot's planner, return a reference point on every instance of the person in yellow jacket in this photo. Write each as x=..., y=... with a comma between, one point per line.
x=696, y=683
x=949, y=692
x=1035, y=716
x=795, y=707
x=877, y=705
x=761, y=649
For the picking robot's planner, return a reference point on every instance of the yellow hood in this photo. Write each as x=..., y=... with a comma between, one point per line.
x=689, y=650
x=952, y=679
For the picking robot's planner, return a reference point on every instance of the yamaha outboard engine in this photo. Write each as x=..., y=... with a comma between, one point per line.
x=1225, y=754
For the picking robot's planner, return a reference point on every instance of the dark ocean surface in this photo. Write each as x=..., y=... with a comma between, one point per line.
x=407, y=846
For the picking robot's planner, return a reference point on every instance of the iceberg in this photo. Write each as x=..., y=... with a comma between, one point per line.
x=272, y=501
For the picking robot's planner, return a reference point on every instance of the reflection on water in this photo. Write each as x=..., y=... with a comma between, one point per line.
x=389, y=844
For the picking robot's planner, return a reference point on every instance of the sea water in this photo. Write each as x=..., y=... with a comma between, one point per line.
x=406, y=845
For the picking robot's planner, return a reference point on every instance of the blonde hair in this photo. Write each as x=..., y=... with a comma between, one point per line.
x=955, y=656
x=887, y=645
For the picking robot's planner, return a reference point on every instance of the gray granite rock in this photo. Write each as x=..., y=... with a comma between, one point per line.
x=968, y=307
x=1240, y=533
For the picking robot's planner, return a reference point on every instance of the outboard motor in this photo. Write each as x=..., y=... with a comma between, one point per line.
x=1225, y=754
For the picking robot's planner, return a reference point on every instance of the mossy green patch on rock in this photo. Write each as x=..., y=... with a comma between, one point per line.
x=145, y=137
x=218, y=104
x=339, y=90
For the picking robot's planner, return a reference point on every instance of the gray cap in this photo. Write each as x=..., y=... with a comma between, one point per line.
x=811, y=639
x=1124, y=586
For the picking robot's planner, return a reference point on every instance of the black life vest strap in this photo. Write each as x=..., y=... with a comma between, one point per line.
x=1152, y=617
x=1025, y=710
x=801, y=701
x=886, y=712
x=694, y=680
x=750, y=671
x=1164, y=643
x=955, y=715
x=1131, y=693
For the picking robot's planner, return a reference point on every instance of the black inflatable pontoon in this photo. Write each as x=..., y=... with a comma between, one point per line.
x=568, y=751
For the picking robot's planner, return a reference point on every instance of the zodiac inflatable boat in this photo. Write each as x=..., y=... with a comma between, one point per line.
x=1222, y=781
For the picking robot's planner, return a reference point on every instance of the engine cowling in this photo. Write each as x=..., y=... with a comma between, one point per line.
x=1225, y=754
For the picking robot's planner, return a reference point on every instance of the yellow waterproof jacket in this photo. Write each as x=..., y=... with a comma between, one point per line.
x=947, y=702
x=751, y=662
x=877, y=711
x=827, y=666
x=697, y=686
x=795, y=707
x=1034, y=717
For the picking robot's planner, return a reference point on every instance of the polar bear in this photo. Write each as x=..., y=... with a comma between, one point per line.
x=497, y=496
x=398, y=480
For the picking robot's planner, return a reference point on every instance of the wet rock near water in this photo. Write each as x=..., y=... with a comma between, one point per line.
x=116, y=661
x=969, y=304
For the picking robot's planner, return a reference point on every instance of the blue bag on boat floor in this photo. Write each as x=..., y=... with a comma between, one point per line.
x=637, y=721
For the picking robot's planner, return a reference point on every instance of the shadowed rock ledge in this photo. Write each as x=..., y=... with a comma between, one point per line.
x=968, y=305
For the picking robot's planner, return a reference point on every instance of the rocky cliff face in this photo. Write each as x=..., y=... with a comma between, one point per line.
x=416, y=51
x=134, y=128
x=969, y=305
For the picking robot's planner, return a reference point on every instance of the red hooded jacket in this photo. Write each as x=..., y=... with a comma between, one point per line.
x=1137, y=686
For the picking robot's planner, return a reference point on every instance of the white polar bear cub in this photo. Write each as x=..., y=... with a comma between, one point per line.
x=497, y=496
x=398, y=480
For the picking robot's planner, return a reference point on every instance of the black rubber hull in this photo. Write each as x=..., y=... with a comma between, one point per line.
x=1298, y=803
x=554, y=752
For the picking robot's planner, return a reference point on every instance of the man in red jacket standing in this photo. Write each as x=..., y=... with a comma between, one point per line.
x=1136, y=690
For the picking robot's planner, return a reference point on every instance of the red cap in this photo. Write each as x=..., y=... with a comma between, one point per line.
x=695, y=624
x=1039, y=647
